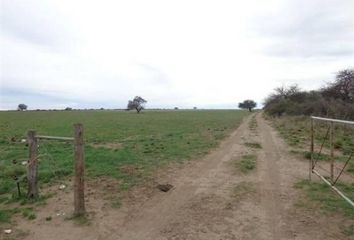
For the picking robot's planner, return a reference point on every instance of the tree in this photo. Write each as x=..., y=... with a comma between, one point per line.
x=342, y=88
x=22, y=107
x=247, y=104
x=137, y=103
x=335, y=99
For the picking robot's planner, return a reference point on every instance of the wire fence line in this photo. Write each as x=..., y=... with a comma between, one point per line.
x=330, y=176
x=41, y=154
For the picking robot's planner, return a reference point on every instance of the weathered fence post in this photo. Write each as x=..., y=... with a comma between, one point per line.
x=79, y=196
x=32, y=166
x=332, y=151
x=311, y=149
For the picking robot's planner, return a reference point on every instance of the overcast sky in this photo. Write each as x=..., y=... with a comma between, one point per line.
x=185, y=53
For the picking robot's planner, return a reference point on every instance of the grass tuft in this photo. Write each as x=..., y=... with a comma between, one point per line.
x=255, y=145
x=321, y=194
x=247, y=163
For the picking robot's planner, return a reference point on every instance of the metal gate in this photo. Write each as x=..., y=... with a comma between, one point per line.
x=329, y=174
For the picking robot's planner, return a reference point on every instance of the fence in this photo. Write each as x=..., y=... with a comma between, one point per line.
x=32, y=167
x=330, y=177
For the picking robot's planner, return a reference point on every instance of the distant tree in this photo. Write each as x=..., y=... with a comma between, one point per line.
x=247, y=104
x=68, y=109
x=176, y=108
x=195, y=108
x=138, y=103
x=22, y=107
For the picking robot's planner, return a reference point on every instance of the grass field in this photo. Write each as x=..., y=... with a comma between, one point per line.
x=319, y=195
x=122, y=145
x=296, y=131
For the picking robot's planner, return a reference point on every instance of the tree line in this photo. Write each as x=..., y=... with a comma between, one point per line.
x=335, y=99
x=138, y=103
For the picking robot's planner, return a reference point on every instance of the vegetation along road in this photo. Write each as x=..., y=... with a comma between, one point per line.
x=244, y=189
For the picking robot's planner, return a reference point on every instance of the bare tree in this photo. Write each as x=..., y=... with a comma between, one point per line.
x=286, y=92
x=138, y=103
x=335, y=100
x=342, y=88
x=247, y=104
x=21, y=107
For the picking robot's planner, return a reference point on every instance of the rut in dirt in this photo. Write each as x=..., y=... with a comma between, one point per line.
x=212, y=199
x=204, y=204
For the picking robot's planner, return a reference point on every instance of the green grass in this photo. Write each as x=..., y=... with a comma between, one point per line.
x=6, y=214
x=322, y=156
x=247, y=163
x=320, y=195
x=253, y=145
x=114, y=142
x=296, y=132
x=28, y=213
x=349, y=230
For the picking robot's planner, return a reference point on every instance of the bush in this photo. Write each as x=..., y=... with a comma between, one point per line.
x=334, y=100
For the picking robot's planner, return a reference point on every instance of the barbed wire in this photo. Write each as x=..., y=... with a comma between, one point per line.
x=48, y=156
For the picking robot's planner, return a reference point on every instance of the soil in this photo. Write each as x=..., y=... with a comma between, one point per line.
x=210, y=199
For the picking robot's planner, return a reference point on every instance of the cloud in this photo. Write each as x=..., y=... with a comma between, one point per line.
x=11, y=97
x=181, y=53
x=317, y=28
x=35, y=22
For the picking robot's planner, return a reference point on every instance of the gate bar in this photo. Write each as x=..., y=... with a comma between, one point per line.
x=333, y=120
x=334, y=188
x=55, y=138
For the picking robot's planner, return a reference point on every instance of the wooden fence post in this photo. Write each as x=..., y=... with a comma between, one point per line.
x=311, y=148
x=332, y=150
x=79, y=196
x=32, y=166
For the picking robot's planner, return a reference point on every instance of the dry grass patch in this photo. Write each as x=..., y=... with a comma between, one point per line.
x=243, y=190
x=255, y=145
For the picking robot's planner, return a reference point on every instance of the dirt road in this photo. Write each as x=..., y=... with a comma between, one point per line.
x=212, y=199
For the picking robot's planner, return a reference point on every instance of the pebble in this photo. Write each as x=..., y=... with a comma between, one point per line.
x=7, y=231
